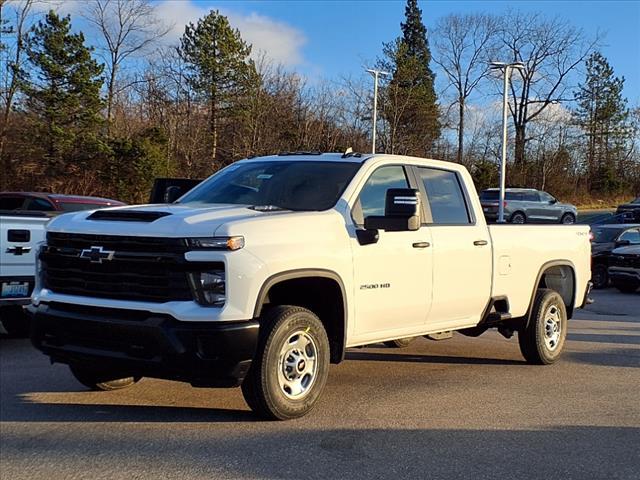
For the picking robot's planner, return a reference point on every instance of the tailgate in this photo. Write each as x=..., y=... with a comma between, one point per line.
x=18, y=239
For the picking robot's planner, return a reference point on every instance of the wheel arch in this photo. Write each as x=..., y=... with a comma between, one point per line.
x=295, y=287
x=560, y=276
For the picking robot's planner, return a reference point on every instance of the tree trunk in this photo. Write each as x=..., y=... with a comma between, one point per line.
x=213, y=129
x=110, y=88
x=519, y=148
x=461, y=130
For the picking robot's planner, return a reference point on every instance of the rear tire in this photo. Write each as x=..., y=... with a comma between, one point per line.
x=291, y=365
x=518, y=218
x=101, y=381
x=400, y=342
x=600, y=277
x=568, y=219
x=542, y=340
x=15, y=321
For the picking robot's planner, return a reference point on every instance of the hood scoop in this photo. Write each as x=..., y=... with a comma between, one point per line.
x=127, y=215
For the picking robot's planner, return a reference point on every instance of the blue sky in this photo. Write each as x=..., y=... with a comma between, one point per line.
x=330, y=39
x=339, y=36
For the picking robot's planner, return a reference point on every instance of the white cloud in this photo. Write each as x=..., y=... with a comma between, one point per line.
x=277, y=40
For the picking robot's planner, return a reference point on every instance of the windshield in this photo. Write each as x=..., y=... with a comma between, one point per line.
x=290, y=185
x=605, y=235
x=637, y=200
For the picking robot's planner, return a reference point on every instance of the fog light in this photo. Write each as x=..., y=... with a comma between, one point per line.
x=209, y=287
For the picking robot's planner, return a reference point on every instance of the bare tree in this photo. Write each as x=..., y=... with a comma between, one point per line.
x=12, y=60
x=464, y=45
x=128, y=28
x=551, y=50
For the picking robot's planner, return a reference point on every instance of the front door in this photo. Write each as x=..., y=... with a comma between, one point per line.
x=392, y=277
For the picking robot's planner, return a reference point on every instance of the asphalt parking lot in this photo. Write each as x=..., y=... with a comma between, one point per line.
x=460, y=408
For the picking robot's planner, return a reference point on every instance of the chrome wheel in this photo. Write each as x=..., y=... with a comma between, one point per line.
x=552, y=327
x=298, y=365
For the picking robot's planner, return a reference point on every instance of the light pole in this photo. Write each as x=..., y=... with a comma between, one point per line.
x=507, y=67
x=376, y=74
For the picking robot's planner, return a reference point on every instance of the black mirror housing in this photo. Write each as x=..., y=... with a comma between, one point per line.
x=171, y=194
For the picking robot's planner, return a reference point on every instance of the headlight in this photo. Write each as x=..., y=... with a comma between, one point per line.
x=208, y=287
x=217, y=243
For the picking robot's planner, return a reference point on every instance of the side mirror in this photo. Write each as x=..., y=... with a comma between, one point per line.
x=401, y=212
x=623, y=243
x=171, y=194
x=553, y=202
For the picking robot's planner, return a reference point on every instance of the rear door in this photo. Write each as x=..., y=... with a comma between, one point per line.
x=461, y=251
x=392, y=277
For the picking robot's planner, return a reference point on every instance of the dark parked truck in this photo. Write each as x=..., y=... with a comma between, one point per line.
x=263, y=275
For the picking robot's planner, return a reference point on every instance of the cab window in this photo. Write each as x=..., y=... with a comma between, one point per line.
x=446, y=197
x=39, y=205
x=371, y=200
x=11, y=203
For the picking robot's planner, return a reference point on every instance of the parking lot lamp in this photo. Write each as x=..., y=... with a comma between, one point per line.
x=376, y=74
x=506, y=67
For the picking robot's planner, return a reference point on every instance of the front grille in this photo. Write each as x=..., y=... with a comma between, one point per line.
x=141, y=268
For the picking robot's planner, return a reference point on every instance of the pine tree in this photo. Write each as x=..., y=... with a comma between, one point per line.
x=602, y=113
x=219, y=68
x=62, y=94
x=411, y=107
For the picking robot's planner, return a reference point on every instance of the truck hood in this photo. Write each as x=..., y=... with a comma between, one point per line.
x=171, y=221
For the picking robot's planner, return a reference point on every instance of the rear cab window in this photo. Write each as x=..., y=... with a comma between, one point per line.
x=446, y=197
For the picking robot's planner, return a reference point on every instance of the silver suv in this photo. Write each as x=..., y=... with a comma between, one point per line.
x=527, y=205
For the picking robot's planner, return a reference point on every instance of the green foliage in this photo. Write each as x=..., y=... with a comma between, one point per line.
x=62, y=90
x=485, y=174
x=135, y=162
x=410, y=103
x=602, y=114
x=219, y=68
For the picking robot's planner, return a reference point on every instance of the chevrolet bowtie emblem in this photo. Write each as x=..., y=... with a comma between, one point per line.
x=19, y=250
x=97, y=254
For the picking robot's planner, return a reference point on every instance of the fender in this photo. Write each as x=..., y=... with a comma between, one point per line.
x=546, y=266
x=307, y=273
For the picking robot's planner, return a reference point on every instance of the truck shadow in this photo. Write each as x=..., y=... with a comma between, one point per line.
x=436, y=359
x=27, y=410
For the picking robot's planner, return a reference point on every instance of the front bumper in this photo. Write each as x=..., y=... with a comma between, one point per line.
x=625, y=274
x=139, y=343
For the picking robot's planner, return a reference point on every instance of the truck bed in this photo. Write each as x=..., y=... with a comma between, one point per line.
x=519, y=251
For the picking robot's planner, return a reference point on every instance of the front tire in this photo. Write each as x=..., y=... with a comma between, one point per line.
x=542, y=340
x=291, y=365
x=101, y=381
x=568, y=219
x=518, y=218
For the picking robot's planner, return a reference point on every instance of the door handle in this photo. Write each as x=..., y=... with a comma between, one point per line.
x=480, y=243
x=421, y=245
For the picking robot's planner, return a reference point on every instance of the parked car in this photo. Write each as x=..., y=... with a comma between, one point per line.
x=51, y=202
x=604, y=239
x=264, y=274
x=625, y=268
x=23, y=216
x=527, y=205
x=630, y=210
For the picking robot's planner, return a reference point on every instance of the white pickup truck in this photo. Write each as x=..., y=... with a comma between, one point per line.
x=266, y=272
x=19, y=234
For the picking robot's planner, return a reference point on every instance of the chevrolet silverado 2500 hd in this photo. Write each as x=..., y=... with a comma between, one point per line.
x=266, y=272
